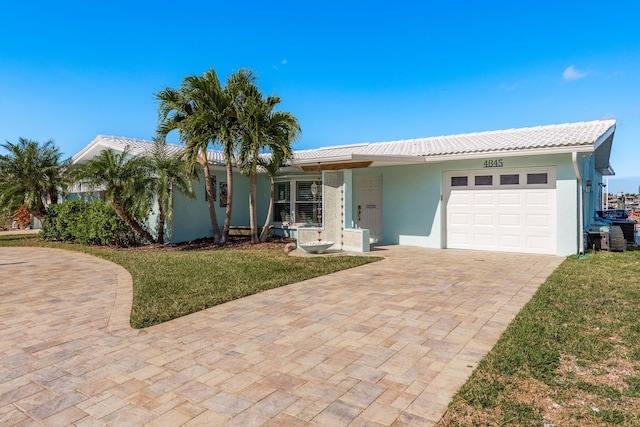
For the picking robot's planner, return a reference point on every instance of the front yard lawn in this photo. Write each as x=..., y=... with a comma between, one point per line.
x=170, y=284
x=570, y=358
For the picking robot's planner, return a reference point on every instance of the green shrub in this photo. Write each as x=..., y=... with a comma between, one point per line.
x=6, y=218
x=89, y=223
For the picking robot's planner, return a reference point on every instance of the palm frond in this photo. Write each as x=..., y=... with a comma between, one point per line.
x=30, y=174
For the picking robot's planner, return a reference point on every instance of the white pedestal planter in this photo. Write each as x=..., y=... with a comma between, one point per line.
x=315, y=247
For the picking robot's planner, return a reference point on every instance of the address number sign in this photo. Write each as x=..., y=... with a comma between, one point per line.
x=493, y=163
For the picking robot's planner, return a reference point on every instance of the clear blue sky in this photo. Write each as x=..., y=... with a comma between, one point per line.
x=350, y=71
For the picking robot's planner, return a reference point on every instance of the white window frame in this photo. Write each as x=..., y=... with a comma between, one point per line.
x=293, y=200
x=496, y=172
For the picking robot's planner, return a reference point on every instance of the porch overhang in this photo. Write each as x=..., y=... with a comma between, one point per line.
x=357, y=161
x=354, y=161
x=335, y=166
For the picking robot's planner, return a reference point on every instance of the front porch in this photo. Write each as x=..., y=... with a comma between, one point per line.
x=339, y=226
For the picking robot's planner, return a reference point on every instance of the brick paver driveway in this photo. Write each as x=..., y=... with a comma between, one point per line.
x=383, y=344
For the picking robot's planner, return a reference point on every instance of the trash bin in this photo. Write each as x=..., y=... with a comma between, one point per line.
x=617, y=242
x=628, y=229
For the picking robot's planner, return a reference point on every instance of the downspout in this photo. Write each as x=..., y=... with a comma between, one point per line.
x=574, y=159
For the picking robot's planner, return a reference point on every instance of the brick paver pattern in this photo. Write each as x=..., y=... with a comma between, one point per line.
x=388, y=343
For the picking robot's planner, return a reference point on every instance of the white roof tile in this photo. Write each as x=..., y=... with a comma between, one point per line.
x=562, y=135
x=141, y=146
x=581, y=134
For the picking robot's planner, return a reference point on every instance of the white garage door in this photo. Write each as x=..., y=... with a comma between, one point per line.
x=510, y=210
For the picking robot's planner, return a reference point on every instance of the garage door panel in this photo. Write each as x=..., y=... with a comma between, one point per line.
x=509, y=220
x=462, y=219
x=461, y=240
x=484, y=240
x=542, y=220
x=510, y=241
x=538, y=244
x=484, y=199
x=511, y=198
x=485, y=219
x=460, y=198
x=541, y=199
x=513, y=218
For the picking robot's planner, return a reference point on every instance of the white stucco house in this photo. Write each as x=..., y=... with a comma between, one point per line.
x=529, y=190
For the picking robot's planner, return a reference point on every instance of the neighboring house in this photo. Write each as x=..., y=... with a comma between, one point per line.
x=530, y=190
x=190, y=219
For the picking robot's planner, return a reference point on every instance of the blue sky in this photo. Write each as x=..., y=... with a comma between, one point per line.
x=350, y=71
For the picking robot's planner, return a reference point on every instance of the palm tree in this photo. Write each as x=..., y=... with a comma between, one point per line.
x=229, y=142
x=259, y=127
x=127, y=183
x=229, y=139
x=280, y=153
x=199, y=111
x=169, y=173
x=31, y=174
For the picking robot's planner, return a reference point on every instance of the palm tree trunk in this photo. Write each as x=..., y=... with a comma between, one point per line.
x=53, y=195
x=202, y=158
x=253, y=215
x=267, y=222
x=227, y=216
x=253, y=218
x=161, y=219
x=132, y=223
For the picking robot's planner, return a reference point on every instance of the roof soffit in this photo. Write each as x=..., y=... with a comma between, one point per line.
x=603, y=153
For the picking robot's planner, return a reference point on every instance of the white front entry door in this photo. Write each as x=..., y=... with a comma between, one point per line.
x=511, y=210
x=369, y=205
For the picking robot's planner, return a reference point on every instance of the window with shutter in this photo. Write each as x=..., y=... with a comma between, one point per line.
x=282, y=202
x=308, y=203
x=298, y=201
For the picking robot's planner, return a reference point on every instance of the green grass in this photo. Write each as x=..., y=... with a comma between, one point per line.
x=574, y=347
x=167, y=285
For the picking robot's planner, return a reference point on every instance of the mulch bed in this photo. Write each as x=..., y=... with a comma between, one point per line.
x=234, y=242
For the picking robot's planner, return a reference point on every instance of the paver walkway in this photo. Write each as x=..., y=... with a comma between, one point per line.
x=383, y=344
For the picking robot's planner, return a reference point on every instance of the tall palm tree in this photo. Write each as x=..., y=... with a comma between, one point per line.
x=127, y=183
x=31, y=174
x=229, y=142
x=170, y=172
x=259, y=126
x=229, y=139
x=271, y=164
x=199, y=111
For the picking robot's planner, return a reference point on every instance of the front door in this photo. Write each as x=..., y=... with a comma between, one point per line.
x=369, y=205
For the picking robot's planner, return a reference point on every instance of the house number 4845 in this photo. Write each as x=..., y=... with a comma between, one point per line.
x=493, y=163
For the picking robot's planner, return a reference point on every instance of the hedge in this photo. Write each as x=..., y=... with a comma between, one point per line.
x=89, y=223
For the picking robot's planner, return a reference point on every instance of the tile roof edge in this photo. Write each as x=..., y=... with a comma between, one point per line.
x=484, y=132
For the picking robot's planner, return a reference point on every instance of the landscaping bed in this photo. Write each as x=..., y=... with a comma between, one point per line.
x=234, y=242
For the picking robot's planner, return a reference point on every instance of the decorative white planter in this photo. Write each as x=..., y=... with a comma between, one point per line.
x=315, y=247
